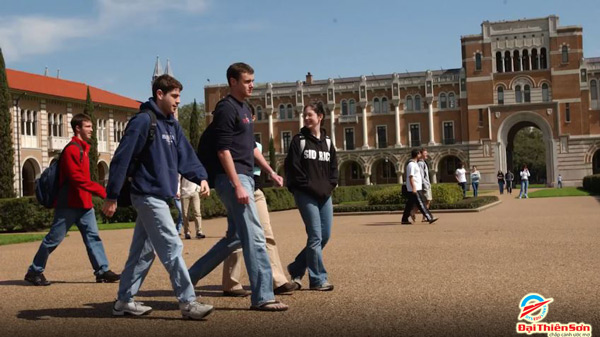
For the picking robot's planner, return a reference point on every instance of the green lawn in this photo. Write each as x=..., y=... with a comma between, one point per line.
x=9, y=239
x=559, y=192
x=109, y=226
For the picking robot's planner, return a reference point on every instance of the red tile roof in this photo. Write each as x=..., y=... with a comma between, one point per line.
x=20, y=80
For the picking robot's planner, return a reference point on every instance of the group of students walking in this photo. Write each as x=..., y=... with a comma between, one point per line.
x=155, y=145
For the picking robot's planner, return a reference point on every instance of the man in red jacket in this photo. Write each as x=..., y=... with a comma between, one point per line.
x=74, y=206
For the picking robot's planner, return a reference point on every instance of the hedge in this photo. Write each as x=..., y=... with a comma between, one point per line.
x=355, y=193
x=592, y=183
x=442, y=194
x=468, y=203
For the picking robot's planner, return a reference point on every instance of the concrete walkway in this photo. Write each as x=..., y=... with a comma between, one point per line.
x=464, y=275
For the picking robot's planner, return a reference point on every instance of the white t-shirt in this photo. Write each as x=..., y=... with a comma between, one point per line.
x=412, y=169
x=461, y=173
x=525, y=175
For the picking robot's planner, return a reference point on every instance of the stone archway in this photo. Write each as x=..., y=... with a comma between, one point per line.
x=516, y=122
x=596, y=162
x=447, y=166
x=351, y=173
x=29, y=173
x=384, y=172
x=102, y=173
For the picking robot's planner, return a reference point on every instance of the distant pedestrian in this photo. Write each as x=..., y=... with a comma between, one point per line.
x=524, y=182
x=560, y=185
x=475, y=176
x=501, y=181
x=414, y=186
x=461, y=178
x=509, y=177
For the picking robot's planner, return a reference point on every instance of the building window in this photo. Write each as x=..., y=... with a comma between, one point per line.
x=409, y=103
x=518, y=94
x=507, y=62
x=286, y=138
x=543, y=59
x=594, y=90
x=55, y=125
x=565, y=54
x=376, y=105
x=257, y=137
x=527, y=92
x=381, y=136
x=281, y=111
x=355, y=171
x=415, y=134
x=451, y=100
x=28, y=123
x=517, y=60
x=417, y=103
x=478, y=61
x=290, y=112
x=525, y=60
x=351, y=107
x=499, y=62
x=500, y=95
x=568, y=112
x=545, y=93
x=101, y=130
x=349, y=138
x=449, y=133
x=443, y=102
x=385, y=106
x=480, y=117
x=344, y=108
x=259, y=115
x=534, y=59
x=118, y=131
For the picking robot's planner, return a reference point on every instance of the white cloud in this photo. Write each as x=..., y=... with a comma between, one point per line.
x=37, y=35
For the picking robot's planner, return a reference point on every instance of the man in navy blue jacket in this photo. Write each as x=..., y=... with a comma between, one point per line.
x=153, y=184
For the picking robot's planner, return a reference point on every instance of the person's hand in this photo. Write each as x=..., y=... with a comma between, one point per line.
x=241, y=195
x=414, y=192
x=109, y=207
x=277, y=178
x=177, y=196
x=204, y=189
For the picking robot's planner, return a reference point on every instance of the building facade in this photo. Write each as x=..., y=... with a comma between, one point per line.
x=41, y=115
x=514, y=74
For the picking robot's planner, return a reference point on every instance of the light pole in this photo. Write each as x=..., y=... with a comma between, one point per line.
x=18, y=121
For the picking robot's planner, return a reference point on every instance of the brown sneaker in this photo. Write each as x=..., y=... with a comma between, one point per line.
x=286, y=289
x=237, y=293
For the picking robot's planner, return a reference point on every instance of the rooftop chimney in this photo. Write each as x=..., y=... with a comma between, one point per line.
x=57, y=73
x=46, y=72
x=309, y=78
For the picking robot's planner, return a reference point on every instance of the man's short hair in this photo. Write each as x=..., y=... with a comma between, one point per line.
x=165, y=83
x=78, y=120
x=235, y=71
x=414, y=153
x=422, y=150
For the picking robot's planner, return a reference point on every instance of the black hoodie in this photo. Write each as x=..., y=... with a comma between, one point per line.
x=312, y=170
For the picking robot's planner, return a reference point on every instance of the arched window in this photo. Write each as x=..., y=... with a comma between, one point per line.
x=443, y=102
x=500, y=95
x=376, y=105
x=525, y=60
x=527, y=92
x=478, y=61
x=258, y=113
x=344, y=108
x=281, y=111
x=409, y=103
x=518, y=94
x=545, y=93
x=451, y=100
x=385, y=107
x=565, y=54
x=290, y=112
x=351, y=107
x=594, y=90
x=507, y=62
x=499, y=62
x=534, y=59
x=517, y=60
x=417, y=103
x=543, y=59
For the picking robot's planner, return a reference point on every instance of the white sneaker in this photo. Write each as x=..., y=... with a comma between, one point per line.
x=195, y=310
x=121, y=308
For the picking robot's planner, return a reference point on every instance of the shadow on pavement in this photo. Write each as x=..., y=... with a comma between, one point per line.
x=93, y=310
x=27, y=284
x=389, y=223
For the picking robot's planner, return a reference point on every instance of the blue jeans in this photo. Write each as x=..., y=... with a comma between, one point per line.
x=64, y=218
x=524, y=186
x=501, y=186
x=243, y=230
x=317, y=216
x=475, y=185
x=463, y=186
x=179, y=223
x=154, y=231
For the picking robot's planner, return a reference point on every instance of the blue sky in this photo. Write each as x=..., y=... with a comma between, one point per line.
x=113, y=44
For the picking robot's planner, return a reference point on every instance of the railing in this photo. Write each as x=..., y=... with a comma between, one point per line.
x=57, y=143
x=348, y=119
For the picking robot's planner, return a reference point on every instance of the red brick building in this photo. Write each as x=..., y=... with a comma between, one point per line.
x=514, y=74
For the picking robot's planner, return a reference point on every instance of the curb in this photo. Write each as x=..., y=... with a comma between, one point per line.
x=460, y=210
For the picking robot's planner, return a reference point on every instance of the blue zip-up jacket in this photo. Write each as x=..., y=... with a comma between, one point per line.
x=169, y=154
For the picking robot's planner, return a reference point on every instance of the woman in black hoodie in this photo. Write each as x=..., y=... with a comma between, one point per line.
x=311, y=175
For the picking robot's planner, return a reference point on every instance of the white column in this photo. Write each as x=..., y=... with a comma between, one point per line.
x=111, y=147
x=44, y=134
x=397, y=115
x=270, y=113
x=16, y=166
x=430, y=118
x=367, y=178
x=364, y=125
x=300, y=119
x=332, y=121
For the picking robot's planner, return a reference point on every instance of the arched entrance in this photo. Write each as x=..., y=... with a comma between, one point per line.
x=508, y=129
x=384, y=172
x=526, y=147
x=102, y=173
x=446, y=169
x=596, y=162
x=351, y=173
x=30, y=172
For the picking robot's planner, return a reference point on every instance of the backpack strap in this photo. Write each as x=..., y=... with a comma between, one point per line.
x=303, y=143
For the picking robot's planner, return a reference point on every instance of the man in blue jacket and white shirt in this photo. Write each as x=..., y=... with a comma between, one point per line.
x=153, y=184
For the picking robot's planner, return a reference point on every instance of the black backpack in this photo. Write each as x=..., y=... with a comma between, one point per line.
x=124, y=199
x=47, y=186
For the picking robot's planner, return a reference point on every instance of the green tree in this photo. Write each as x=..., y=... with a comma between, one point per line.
x=184, y=116
x=7, y=174
x=89, y=110
x=272, y=159
x=194, y=128
x=529, y=149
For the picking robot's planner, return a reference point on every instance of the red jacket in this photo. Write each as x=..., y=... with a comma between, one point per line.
x=75, y=171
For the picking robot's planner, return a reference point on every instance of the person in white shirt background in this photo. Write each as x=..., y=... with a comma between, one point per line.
x=475, y=176
x=461, y=178
x=524, y=181
x=414, y=185
x=190, y=198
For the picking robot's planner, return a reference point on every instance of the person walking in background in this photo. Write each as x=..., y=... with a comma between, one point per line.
x=461, y=178
x=312, y=174
x=414, y=186
x=475, y=176
x=524, y=182
x=559, y=181
x=501, y=180
x=190, y=198
x=509, y=177
x=426, y=183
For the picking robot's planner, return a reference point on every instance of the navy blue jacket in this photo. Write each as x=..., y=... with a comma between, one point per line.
x=169, y=154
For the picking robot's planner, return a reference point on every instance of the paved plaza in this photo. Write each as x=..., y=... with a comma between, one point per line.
x=462, y=276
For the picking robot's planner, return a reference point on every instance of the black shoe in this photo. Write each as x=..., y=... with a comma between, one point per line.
x=107, y=277
x=37, y=279
x=406, y=222
x=286, y=288
x=200, y=236
x=433, y=220
x=187, y=236
x=237, y=293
